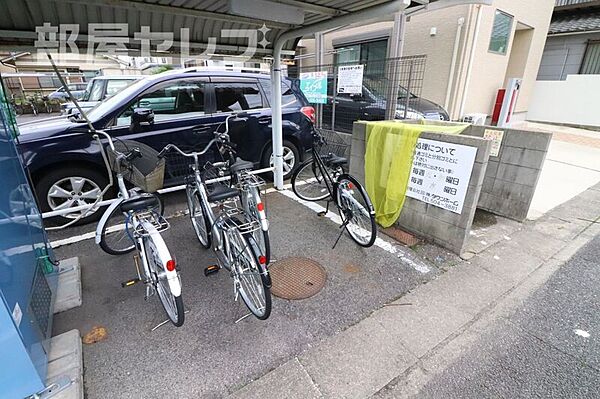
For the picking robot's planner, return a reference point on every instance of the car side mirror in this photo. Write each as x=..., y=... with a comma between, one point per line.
x=142, y=116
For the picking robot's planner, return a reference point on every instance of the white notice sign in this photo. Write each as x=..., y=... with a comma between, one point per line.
x=440, y=173
x=350, y=79
x=496, y=137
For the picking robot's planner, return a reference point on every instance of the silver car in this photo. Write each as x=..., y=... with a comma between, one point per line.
x=99, y=89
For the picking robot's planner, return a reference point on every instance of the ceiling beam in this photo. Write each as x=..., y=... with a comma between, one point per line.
x=171, y=10
x=313, y=8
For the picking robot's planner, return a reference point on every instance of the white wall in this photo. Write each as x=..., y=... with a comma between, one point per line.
x=572, y=101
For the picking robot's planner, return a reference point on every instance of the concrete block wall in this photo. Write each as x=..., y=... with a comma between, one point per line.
x=512, y=176
x=448, y=229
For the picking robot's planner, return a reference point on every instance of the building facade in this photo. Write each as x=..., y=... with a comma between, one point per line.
x=472, y=50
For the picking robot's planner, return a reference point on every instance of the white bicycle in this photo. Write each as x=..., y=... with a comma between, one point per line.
x=134, y=222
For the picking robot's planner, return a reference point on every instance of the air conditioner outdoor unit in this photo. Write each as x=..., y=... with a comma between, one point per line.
x=475, y=119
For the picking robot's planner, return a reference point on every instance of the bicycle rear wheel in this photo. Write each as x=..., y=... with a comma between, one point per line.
x=260, y=236
x=198, y=216
x=253, y=287
x=158, y=257
x=308, y=182
x=116, y=237
x=356, y=209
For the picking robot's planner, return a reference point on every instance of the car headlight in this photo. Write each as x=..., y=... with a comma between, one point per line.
x=409, y=115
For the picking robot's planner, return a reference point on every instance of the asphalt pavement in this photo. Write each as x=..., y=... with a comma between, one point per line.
x=549, y=348
x=211, y=355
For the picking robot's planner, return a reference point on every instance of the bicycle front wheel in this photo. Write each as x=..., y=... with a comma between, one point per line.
x=308, y=182
x=158, y=257
x=198, y=216
x=356, y=210
x=252, y=285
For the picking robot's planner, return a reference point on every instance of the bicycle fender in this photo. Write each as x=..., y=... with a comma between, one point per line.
x=165, y=255
x=104, y=218
x=264, y=223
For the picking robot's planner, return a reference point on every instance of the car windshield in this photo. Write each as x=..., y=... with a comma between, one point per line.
x=106, y=106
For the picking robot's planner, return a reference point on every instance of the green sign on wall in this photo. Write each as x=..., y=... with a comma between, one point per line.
x=314, y=86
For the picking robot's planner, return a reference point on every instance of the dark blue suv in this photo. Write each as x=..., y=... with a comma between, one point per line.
x=186, y=107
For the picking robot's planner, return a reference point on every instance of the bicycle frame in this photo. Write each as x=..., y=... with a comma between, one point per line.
x=124, y=194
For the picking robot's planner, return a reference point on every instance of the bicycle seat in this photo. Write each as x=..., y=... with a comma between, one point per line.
x=221, y=192
x=139, y=203
x=334, y=160
x=240, y=165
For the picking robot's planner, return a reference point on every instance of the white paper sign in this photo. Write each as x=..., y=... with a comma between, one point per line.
x=350, y=79
x=440, y=174
x=496, y=137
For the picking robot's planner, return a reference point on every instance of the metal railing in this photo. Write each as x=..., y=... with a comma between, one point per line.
x=379, y=76
x=167, y=190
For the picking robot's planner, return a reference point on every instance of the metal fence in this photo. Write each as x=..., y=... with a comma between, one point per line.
x=379, y=77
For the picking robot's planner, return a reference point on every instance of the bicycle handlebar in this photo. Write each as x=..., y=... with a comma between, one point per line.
x=192, y=154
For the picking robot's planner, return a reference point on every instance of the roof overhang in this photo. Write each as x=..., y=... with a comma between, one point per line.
x=221, y=27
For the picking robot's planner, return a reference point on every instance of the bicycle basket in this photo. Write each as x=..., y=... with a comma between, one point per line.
x=333, y=143
x=147, y=172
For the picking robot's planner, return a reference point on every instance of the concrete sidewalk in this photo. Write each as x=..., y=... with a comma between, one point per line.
x=428, y=327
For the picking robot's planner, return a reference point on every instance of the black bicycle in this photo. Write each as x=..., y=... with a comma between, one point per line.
x=323, y=178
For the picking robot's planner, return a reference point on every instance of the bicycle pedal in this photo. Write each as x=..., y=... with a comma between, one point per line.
x=211, y=270
x=131, y=282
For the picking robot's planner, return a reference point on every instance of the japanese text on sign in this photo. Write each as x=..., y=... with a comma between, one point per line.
x=440, y=174
x=496, y=137
x=314, y=86
x=350, y=79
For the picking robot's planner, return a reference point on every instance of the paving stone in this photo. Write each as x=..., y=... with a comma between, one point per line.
x=68, y=293
x=467, y=288
x=65, y=358
x=290, y=380
x=419, y=324
x=357, y=362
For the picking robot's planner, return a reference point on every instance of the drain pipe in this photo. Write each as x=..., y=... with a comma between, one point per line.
x=471, y=60
x=377, y=11
x=461, y=22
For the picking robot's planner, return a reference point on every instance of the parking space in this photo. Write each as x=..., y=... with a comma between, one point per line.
x=211, y=355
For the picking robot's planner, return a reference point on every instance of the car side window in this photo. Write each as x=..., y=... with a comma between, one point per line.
x=96, y=91
x=169, y=100
x=288, y=98
x=115, y=86
x=237, y=96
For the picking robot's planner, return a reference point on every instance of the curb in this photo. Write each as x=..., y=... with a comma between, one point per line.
x=389, y=346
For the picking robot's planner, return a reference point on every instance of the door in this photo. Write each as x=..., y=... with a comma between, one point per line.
x=237, y=94
x=180, y=116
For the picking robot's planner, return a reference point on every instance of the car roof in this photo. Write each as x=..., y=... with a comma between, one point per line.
x=210, y=72
x=119, y=77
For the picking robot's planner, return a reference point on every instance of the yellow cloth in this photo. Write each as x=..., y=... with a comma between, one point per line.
x=388, y=162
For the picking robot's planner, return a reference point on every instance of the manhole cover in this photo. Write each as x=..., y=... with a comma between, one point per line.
x=297, y=278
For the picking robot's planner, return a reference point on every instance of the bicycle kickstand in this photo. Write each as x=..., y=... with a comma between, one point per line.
x=323, y=213
x=341, y=232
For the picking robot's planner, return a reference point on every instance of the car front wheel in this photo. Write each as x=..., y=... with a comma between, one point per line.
x=291, y=158
x=66, y=188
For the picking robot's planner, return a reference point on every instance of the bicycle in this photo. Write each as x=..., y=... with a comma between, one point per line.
x=134, y=221
x=323, y=178
x=231, y=232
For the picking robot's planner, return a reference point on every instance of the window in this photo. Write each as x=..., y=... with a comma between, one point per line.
x=169, y=100
x=288, y=98
x=591, y=60
x=115, y=86
x=95, y=92
x=501, y=32
x=237, y=96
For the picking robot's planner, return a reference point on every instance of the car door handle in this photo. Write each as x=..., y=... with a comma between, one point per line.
x=264, y=120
